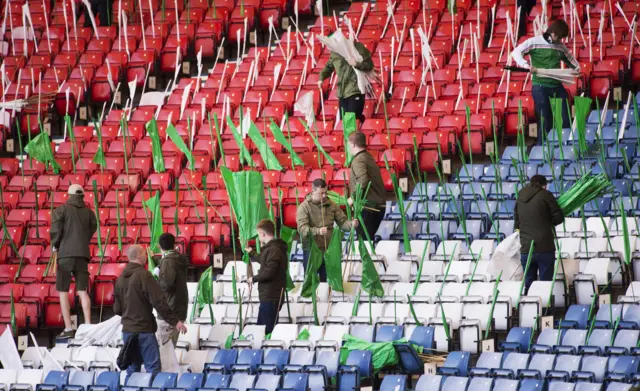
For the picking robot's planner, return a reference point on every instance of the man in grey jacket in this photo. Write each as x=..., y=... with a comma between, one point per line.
x=72, y=227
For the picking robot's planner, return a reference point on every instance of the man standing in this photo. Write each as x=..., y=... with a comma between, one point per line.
x=315, y=218
x=545, y=52
x=136, y=295
x=272, y=278
x=349, y=94
x=172, y=277
x=72, y=227
x=366, y=173
x=536, y=214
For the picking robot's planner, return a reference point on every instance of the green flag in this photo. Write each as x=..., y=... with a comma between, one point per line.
x=625, y=236
x=39, y=148
x=156, y=146
x=348, y=126
x=304, y=335
x=282, y=140
x=246, y=196
x=269, y=159
x=317, y=144
x=98, y=158
x=583, y=107
x=333, y=261
x=452, y=7
x=245, y=156
x=311, y=279
x=370, y=280
x=205, y=290
x=177, y=140
x=287, y=235
x=151, y=262
x=14, y=324
x=155, y=224
x=72, y=137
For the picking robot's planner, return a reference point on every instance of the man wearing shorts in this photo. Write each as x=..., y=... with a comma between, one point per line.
x=72, y=227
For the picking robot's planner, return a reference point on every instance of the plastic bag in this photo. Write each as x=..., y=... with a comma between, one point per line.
x=506, y=259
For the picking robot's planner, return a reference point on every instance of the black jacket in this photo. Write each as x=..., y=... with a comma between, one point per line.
x=173, y=281
x=137, y=294
x=72, y=227
x=272, y=278
x=536, y=214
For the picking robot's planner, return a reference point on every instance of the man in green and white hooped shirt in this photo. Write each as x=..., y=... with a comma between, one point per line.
x=545, y=52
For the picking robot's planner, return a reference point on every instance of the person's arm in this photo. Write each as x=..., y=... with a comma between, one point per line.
x=570, y=60
x=117, y=306
x=520, y=51
x=304, y=227
x=268, y=268
x=341, y=219
x=57, y=227
x=328, y=69
x=360, y=174
x=367, y=62
x=557, y=215
x=93, y=224
x=156, y=297
x=167, y=277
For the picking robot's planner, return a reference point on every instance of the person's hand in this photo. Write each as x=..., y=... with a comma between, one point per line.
x=354, y=223
x=323, y=231
x=248, y=249
x=156, y=271
x=350, y=201
x=181, y=327
x=320, y=82
x=533, y=69
x=352, y=62
x=249, y=280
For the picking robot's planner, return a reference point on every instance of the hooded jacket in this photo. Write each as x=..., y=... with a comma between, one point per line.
x=136, y=295
x=173, y=281
x=312, y=216
x=536, y=214
x=365, y=170
x=272, y=278
x=72, y=227
x=347, y=79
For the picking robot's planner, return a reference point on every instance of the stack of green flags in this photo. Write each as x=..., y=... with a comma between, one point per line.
x=586, y=189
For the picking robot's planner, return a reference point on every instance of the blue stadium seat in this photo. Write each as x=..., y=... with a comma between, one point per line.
x=622, y=368
x=538, y=367
x=189, y=382
x=594, y=118
x=631, y=317
x=363, y=331
x=510, y=152
x=471, y=172
x=162, y=381
x=423, y=336
x=454, y=383
x=295, y=381
x=242, y=382
x=522, y=172
x=410, y=208
x=394, y=383
x=561, y=386
x=267, y=381
x=473, y=229
x=571, y=341
x=422, y=190
x=428, y=211
x=517, y=340
x=505, y=385
x=300, y=358
x=582, y=386
x=499, y=230
x=216, y=380
x=361, y=359
x=448, y=191
x=388, y=333
x=456, y=364
x=615, y=386
x=106, y=381
x=348, y=378
x=577, y=317
x=475, y=190
x=592, y=369
x=248, y=360
x=385, y=230
x=481, y=384
x=565, y=365
x=546, y=340
x=223, y=361
x=511, y=364
x=55, y=381
x=486, y=363
x=409, y=361
x=80, y=381
x=506, y=191
x=558, y=187
x=318, y=378
x=455, y=208
x=429, y=383
x=575, y=171
x=598, y=341
x=624, y=342
x=531, y=385
x=275, y=360
x=330, y=360
x=137, y=381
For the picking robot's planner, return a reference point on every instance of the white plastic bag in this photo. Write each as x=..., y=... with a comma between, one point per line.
x=506, y=259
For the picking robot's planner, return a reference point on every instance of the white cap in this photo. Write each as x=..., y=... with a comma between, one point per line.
x=75, y=189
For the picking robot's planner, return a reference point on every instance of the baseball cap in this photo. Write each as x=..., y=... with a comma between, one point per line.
x=75, y=189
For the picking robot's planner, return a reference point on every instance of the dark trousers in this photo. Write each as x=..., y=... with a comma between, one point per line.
x=267, y=315
x=100, y=7
x=372, y=220
x=149, y=354
x=542, y=264
x=322, y=272
x=353, y=104
x=541, y=96
x=525, y=8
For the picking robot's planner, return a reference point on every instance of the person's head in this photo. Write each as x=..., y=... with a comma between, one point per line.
x=357, y=142
x=167, y=242
x=136, y=254
x=539, y=180
x=558, y=30
x=76, y=190
x=319, y=190
x=266, y=231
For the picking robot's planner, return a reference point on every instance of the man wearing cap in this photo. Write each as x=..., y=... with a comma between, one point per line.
x=72, y=227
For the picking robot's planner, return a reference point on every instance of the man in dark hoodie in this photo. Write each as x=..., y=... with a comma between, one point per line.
x=72, y=227
x=536, y=214
x=172, y=277
x=136, y=295
x=272, y=278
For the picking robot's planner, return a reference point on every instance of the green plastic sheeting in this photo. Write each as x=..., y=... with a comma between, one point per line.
x=370, y=282
x=586, y=189
x=333, y=261
x=311, y=279
x=39, y=148
x=383, y=354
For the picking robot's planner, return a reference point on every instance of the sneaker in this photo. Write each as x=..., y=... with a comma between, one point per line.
x=67, y=334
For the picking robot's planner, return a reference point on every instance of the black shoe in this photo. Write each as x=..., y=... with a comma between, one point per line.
x=67, y=334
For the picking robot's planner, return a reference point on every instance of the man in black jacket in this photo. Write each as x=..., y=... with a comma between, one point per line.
x=136, y=295
x=272, y=278
x=72, y=226
x=172, y=277
x=536, y=214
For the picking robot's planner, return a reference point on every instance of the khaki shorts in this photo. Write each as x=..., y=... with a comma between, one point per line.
x=166, y=333
x=72, y=266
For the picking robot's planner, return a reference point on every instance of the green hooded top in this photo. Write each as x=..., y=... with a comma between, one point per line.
x=347, y=80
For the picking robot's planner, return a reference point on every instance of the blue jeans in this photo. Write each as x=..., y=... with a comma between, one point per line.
x=322, y=272
x=149, y=352
x=267, y=315
x=544, y=114
x=542, y=264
